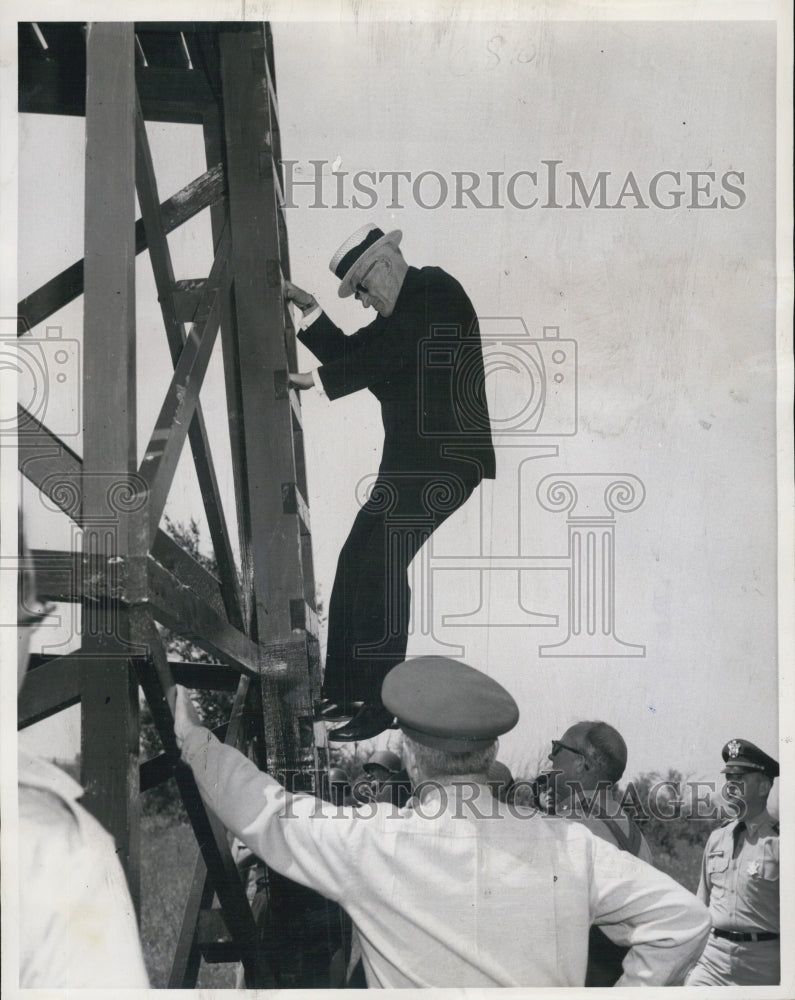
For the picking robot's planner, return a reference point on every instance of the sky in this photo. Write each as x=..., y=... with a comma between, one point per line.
x=669, y=306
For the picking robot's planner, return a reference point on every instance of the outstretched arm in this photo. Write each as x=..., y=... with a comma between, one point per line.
x=307, y=840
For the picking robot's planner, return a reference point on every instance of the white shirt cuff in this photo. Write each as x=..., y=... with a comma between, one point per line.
x=309, y=318
x=318, y=382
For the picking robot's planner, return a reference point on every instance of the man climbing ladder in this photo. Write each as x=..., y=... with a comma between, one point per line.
x=422, y=359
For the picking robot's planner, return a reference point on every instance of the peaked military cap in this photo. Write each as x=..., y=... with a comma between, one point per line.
x=742, y=755
x=448, y=705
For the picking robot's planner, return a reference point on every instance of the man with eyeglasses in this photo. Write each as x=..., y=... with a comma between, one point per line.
x=77, y=925
x=586, y=762
x=422, y=359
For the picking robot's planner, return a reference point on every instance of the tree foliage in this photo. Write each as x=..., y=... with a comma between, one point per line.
x=213, y=707
x=676, y=819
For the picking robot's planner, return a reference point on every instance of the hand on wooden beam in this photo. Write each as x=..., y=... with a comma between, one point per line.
x=301, y=380
x=185, y=715
x=305, y=301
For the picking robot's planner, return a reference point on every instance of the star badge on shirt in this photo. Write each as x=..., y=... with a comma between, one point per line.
x=753, y=868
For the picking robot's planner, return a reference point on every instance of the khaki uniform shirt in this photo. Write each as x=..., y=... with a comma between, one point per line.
x=742, y=893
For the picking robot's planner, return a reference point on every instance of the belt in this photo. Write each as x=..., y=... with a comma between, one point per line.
x=745, y=935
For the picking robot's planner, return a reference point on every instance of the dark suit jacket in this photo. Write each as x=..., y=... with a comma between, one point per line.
x=424, y=364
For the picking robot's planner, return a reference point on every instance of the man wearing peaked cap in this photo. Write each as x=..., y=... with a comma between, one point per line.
x=421, y=358
x=743, y=756
x=740, y=878
x=448, y=705
x=457, y=889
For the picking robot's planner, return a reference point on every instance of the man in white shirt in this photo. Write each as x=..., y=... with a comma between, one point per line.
x=457, y=889
x=77, y=925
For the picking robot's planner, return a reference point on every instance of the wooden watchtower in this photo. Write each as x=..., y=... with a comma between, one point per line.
x=259, y=620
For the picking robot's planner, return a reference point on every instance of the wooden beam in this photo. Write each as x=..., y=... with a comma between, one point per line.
x=206, y=190
x=165, y=445
x=160, y=255
x=205, y=676
x=213, y=938
x=259, y=307
x=57, y=87
x=187, y=956
x=109, y=703
x=48, y=689
x=187, y=296
x=188, y=572
x=72, y=576
x=157, y=682
x=185, y=967
x=180, y=609
x=275, y=538
x=49, y=464
x=162, y=49
x=215, y=150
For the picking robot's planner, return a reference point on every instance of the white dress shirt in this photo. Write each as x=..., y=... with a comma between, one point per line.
x=456, y=893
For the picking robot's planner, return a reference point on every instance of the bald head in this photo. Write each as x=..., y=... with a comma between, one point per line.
x=606, y=749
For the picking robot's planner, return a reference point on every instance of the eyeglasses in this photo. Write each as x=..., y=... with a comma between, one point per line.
x=557, y=746
x=35, y=615
x=359, y=288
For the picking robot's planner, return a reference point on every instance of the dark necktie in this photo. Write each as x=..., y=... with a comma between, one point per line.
x=737, y=834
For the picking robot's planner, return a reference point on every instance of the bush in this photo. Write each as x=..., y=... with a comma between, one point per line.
x=674, y=833
x=214, y=707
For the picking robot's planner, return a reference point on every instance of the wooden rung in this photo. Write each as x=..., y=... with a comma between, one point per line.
x=272, y=94
x=274, y=173
x=214, y=939
x=294, y=503
x=304, y=617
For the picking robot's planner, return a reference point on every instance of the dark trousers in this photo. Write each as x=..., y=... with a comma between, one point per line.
x=370, y=603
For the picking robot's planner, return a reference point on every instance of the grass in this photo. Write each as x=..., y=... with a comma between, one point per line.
x=168, y=857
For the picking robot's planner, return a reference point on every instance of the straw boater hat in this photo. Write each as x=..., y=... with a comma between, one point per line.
x=360, y=248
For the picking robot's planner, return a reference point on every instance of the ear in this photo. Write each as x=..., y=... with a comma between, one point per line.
x=411, y=765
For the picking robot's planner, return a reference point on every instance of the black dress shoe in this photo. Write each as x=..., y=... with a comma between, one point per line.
x=329, y=710
x=368, y=722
